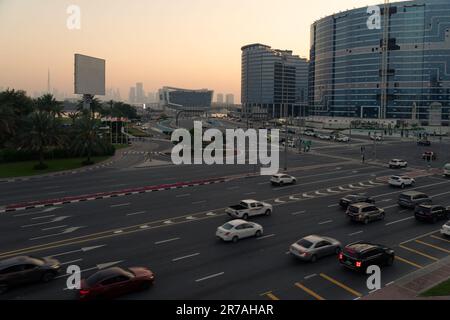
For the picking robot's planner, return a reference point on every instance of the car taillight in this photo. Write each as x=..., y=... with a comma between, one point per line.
x=358, y=264
x=84, y=292
x=341, y=256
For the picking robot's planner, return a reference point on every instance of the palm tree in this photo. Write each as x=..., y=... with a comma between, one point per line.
x=87, y=137
x=95, y=106
x=41, y=130
x=49, y=104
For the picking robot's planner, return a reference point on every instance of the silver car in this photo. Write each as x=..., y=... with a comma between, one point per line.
x=312, y=247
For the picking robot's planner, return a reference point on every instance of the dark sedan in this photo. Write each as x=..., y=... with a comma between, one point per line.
x=354, y=198
x=24, y=269
x=114, y=282
x=360, y=255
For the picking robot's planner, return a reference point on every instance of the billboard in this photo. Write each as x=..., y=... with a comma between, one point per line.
x=89, y=75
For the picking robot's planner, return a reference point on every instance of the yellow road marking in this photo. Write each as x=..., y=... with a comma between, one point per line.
x=433, y=246
x=340, y=284
x=419, y=253
x=408, y=262
x=270, y=295
x=439, y=238
x=309, y=291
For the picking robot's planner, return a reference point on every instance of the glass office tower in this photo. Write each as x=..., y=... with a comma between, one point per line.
x=359, y=70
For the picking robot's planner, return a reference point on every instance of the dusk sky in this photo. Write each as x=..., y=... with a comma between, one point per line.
x=185, y=43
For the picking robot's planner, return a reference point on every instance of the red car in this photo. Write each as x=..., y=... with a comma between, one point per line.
x=114, y=282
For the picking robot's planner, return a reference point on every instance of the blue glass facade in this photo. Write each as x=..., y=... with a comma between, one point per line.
x=346, y=63
x=185, y=99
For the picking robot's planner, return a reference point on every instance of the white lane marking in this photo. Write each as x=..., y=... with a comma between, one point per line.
x=185, y=257
x=199, y=202
x=298, y=212
x=421, y=236
x=118, y=231
x=294, y=198
x=168, y=240
x=333, y=205
x=390, y=283
x=38, y=212
x=210, y=277
x=120, y=205
x=326, y=222
x=355, y=233
x=135, y=213
x=343, y=189
x=210, y=214
x=332, y=191
x=279, y=201
x=52, y=228
x=386, y=200
x=183, y=195
x=305, y=195
x=70, y=262
x=354, y=187
x=250, y=193
x=265, y=237
x=43, y=217
x=85, y=249
x=57, y=219
x=144, y=227
x=397, y=221
x=68, y=230
x=310, y=276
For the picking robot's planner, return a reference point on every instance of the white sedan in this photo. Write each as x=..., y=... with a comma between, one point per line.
x=401, y=181
x=281, y=179
x=398, y=163
x=343, y=139
x=445, y=230
x=235, y=230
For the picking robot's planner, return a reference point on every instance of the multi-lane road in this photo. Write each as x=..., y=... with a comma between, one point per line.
x=172, y=231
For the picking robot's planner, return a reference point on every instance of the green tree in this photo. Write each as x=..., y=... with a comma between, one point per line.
x=87, y=137
x=48, y=103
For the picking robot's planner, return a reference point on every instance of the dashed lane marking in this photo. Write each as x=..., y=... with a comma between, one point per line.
x=418, y=266
x=341, y=285
x=270, y=295
x=308, y=291
x=419, y=253
x=432, y=246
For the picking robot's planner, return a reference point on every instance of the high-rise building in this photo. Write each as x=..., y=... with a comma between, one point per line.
x=229, y=99
x=219, y=98
x=132, y=95
x=140, y=94
x=274, y=83
x=185, y=99
x=398, y=69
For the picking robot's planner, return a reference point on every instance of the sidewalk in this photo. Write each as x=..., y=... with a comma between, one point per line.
x=410, y=286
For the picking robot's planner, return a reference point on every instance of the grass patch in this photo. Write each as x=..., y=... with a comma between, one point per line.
x=442, y=289
x=26, y=168
x=120, y=146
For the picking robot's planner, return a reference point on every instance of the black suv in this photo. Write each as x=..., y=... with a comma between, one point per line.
x=431, y=213
x=354, y=198
x=411, y=199
x=358, y=256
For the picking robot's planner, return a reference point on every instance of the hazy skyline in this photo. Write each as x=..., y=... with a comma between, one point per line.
x=182, y=43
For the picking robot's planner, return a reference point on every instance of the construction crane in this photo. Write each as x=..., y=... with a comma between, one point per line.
x=384, y=62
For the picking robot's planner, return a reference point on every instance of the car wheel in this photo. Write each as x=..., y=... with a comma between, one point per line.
x=366, y=221
x=258, y=233
x=294, y=181
x=313, y=258
x=3, y=288
x=268, y=212
x=48, y=276
x=390, y=261
x=235, y=239
x=245, y=216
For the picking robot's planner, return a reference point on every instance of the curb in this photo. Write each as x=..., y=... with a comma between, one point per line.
x=106, y=195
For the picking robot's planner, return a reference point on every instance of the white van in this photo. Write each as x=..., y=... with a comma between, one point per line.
x=447, y=170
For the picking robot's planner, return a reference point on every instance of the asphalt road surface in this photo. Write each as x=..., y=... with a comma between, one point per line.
x=173, y=232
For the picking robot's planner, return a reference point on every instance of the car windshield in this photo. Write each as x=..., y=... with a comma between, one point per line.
x=304, y=243
x=447, y=167
x=405, y=197
x=227, y=226
x=351, y=252
x=395, y=178
x=424, y=209
x=353, y=209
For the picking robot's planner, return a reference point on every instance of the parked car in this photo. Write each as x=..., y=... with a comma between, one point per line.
x=249, y=208
x=309, y=132
x=342, y=139
x=291, y=144
x=358, y=256
x=22, y=270
x=364, y=212
x=398, y=163
x=115, y=282
x=281, y=179
x=355, y=198
x=429, y=155
x=445, y=230
x=424, y=142
x=376, y=137
x=312, y=247
x=431, y=213
x=238, y=229
x=401, y=181
x=324, y=137
x=411, y=199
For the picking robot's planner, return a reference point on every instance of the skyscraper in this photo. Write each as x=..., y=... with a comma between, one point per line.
x=273, y=82
x=220, y=98
x=140, y=95
x=229, y=99
x=132, y=95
